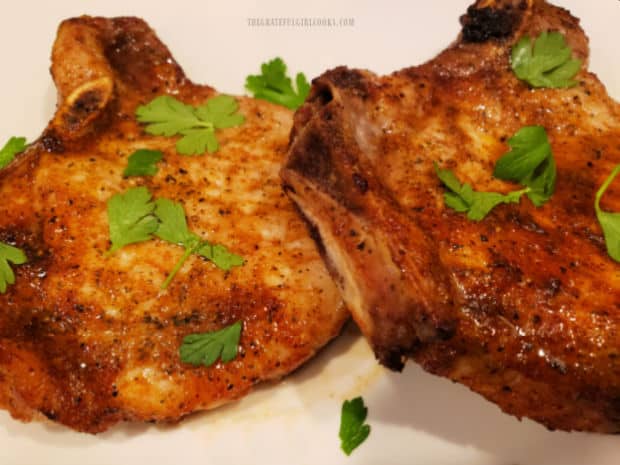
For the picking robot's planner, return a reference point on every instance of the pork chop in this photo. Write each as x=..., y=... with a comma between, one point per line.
x=88, y=339
x=523, y=306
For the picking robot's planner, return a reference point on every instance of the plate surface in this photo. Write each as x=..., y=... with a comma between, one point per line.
x=416, y=418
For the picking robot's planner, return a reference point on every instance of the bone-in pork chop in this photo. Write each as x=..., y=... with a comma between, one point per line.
x=523, y=306
x=89, y=339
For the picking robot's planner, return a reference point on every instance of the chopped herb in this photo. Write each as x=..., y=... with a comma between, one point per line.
x=130, y=217
x=143, y=162
x=134, y=217
x=610, y=222
x=275, y=86
x=173, y=224
x=530, y=163
x=167, y=116
x=206, y=348
x=220, y=256
x=8, y=253
x=13, y=146
x=464, y=199
x=547, y=62
x=173, y=228
x=353, y=431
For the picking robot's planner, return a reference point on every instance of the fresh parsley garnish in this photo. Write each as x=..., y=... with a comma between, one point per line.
x=8, y=253
x=529, y=163
x=143, y=162
x=130, y=217
x=353, y=431
x=220, y=256
x=134, y=217
x=610, y=222
x=13, y=146
x=464, y=199
x=173, y=228
x=167, y=116
x=547, y=62
x=173, y=224
x=206, y=348
x=275, y=86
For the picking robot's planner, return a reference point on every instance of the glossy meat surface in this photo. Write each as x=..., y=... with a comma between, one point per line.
x=524, y=306
x=89, y=340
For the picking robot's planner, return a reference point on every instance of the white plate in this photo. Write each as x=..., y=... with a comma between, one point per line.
x=416, y=418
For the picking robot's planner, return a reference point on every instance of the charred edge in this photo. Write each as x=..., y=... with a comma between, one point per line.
x=344, y=78
x=52, y=143
x=88, y=103
x=392, y=358
x=321, y=95
x=50, y=414
x=483, y=24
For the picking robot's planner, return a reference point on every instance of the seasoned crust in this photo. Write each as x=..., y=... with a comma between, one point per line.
x=88, y=340
x=523, y=306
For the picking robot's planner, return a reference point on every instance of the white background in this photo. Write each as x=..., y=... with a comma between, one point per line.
x=415, y=418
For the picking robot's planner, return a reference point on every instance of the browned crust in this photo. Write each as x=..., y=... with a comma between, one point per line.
x=87, y=340
x=522, y=307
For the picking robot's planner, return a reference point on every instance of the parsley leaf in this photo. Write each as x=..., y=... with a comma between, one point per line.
x=206, y=348
x=275, y=86
x=173, y=224
x=220, y=256
x=13, y=146
x=173, y=228
x=530, y=163
x=530, y=147
x=353, y=431
x=143, y=163
x=221, y=112
x=463, y=198
x=545, y=63
x=610, y=222
x=8, y=253
x=167, y=116
x=130, y=217
x=541, y=182
x=134, y=217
